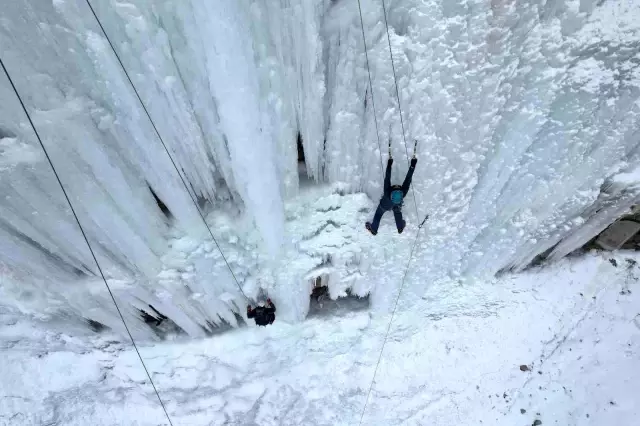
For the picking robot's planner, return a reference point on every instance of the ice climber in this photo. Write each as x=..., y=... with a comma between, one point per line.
x=263, y=315
x=392, y=198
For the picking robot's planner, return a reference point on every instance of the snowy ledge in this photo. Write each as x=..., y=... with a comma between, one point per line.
x=455, y=357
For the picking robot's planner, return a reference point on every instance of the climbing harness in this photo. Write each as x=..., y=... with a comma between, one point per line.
x=84, y=235
x=184, y=182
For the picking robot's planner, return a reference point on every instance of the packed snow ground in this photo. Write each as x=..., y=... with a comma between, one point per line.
x=453, y=357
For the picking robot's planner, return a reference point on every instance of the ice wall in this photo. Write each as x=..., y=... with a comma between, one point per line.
x=522, y=111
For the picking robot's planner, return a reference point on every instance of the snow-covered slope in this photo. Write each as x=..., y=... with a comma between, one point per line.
x=523, y=111
x=453, y=358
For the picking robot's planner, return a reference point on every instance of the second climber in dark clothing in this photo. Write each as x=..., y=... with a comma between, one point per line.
x=392, y=198
x=263, y=315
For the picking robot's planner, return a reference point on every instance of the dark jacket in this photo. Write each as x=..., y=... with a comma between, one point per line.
x=385, y=201
x=262, y=315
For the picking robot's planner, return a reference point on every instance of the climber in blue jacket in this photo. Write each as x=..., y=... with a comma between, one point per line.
x=392, y=198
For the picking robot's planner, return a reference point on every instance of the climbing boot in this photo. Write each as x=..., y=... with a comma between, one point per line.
x=368, y=226
x=402, y=227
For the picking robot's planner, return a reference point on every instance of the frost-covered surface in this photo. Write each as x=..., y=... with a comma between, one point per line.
x=453, y=358
x=195, y=289
x=524, y=112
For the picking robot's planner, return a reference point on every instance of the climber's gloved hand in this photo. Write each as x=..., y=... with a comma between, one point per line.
x=414, y=161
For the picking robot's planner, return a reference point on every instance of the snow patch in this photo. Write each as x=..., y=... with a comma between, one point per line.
x=571, y=325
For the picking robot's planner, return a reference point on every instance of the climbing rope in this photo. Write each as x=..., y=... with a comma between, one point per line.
x=393, y=313
x=393, y=68
x=373, y=104
x=415, y=146
x=395, y=79
x=184, y=182
x=84, y=235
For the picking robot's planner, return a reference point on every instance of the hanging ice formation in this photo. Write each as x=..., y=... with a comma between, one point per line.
x=524, y=111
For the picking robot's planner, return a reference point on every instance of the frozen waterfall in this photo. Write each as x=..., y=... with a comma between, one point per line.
x=525, y=112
